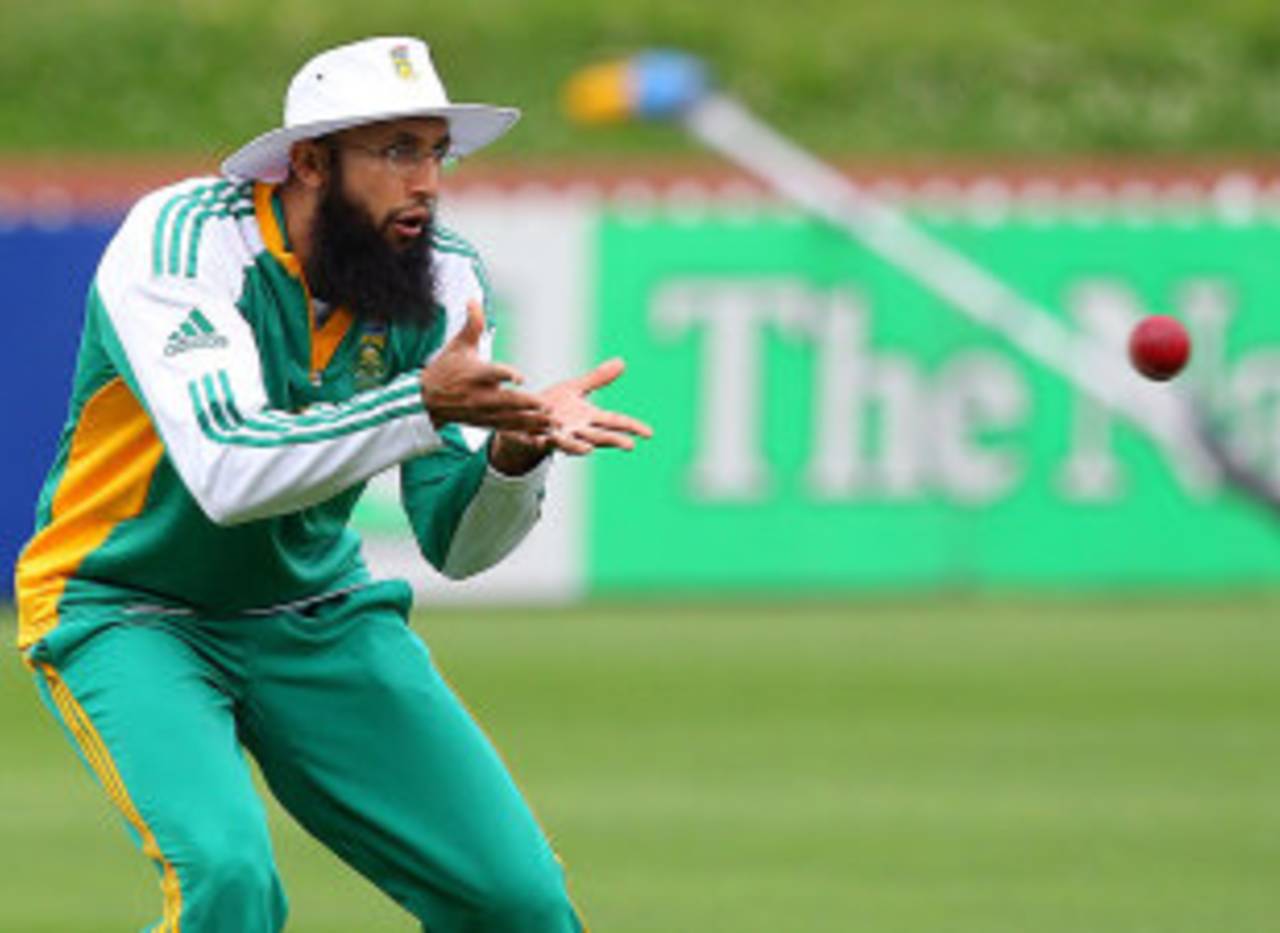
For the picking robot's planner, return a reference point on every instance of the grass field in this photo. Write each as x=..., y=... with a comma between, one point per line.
x=933, y=76
x=980, y=766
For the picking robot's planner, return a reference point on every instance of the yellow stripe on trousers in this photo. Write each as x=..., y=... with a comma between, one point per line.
x=99, y=759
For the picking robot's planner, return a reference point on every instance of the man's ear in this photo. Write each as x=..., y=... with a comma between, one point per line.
x=309, y=163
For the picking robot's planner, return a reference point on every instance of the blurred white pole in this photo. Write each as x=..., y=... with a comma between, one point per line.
x=723, y=124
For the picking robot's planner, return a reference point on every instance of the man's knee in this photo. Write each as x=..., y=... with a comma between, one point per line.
x=230, y=884
x=241, y=882
x=536, y=902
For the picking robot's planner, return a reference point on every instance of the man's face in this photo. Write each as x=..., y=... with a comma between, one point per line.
x=371, y=234
x=392, y=171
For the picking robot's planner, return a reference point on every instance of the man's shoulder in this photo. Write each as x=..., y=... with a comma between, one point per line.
x=198, y=194
x=452, y=250
x=169, y=226
x=451, y=246
x=460, y=273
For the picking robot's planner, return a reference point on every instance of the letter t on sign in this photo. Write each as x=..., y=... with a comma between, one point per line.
x=729, y=462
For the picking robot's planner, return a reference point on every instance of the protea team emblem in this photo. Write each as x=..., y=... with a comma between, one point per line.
x=400, y=58
x=371, y=358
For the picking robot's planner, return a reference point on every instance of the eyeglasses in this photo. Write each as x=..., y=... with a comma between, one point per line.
x=407, y=158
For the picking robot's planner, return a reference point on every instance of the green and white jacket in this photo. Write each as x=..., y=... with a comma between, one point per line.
x=217, y=439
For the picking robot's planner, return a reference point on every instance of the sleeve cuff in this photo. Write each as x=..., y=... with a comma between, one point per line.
x=535, y=477
x=500, y=514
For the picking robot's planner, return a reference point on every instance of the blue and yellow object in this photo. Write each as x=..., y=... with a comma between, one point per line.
x=652, y=85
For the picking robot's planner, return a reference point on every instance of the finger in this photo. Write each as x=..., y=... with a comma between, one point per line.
x=599, y=437
x=567, y=443
x=536, y=425
x=538, y=441
x=486, y=398
x=496, y=400
x=496, y=374
x=601, y=376
x=472, y=328
x=532, y=423
x=616, y=421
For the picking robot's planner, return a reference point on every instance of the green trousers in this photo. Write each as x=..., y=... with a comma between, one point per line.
x=356, y=733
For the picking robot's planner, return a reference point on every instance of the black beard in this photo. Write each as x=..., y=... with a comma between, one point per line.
x=353, y=266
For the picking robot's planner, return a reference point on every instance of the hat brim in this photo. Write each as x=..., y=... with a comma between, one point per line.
x=471, y=127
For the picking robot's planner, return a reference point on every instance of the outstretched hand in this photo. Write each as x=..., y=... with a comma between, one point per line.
x=578, y=425
x=460, y=386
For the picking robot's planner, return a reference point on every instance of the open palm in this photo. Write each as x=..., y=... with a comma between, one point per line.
x=578, y=425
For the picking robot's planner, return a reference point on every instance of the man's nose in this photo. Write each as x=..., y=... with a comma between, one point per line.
x=424, y=180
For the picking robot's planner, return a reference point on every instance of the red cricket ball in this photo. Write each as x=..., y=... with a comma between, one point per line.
x=1159, y=347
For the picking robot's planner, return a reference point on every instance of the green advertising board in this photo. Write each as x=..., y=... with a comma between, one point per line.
x=825, y=423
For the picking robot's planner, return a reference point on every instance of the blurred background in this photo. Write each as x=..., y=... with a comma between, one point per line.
x=890, y=627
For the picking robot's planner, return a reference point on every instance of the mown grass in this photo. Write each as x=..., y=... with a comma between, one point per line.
x=978, y=767
x=932, y=76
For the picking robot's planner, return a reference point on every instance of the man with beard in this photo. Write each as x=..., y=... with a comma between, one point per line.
x=255, y=348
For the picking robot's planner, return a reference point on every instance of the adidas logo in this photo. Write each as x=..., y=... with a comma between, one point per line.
x=195, y=333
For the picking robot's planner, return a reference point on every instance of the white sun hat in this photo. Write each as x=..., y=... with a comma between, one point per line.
x=386, y=78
